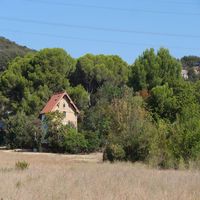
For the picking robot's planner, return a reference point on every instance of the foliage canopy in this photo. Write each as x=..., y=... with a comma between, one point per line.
x=142, y=112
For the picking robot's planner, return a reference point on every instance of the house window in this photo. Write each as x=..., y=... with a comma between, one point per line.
x=65, y=114
x=63, y=105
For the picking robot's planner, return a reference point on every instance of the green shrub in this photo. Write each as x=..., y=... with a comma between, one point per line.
x=21, y=165
x=93, y=141
x=74, y=142
x=160, y=151
x=114, y=152
x=22, y=131
x=56, y=133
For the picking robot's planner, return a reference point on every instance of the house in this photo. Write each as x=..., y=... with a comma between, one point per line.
x=184, y=74
x=62, y=102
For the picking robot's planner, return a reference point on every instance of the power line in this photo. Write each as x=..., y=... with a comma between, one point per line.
x=96, y=40
x=178, y=2
x=98, y=28
x=113, y=8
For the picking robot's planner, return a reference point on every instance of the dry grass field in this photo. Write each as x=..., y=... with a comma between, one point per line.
x=53, y=177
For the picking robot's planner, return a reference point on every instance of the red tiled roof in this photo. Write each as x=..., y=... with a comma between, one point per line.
x=54, y=101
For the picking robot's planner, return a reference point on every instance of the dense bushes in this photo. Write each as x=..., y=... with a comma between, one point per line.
x=114, y=152
x=130, y=129
x=93, y=140
x=65, y=138
x=22, y=131
x=74, y=142
x=135, y=136
x=71, y=141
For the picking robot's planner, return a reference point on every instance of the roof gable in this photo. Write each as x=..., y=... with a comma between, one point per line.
x=55, y=99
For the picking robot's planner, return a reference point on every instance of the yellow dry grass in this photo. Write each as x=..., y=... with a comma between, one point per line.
x=56, y=177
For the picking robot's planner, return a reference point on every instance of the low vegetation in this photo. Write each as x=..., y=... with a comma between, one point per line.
x=21, y=165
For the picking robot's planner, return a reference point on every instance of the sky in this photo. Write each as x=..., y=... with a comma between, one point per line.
x=125, y=28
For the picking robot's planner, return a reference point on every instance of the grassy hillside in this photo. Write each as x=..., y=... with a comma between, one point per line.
x=9, y=50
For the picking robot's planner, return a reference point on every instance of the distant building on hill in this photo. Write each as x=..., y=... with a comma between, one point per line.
x=62, y=103
x=184, y=74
